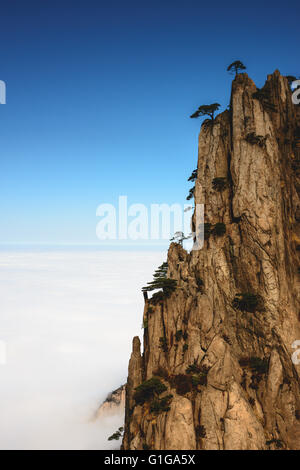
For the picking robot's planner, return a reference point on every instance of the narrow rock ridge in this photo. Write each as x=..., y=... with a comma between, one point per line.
x=114, y=403
x=228, y=366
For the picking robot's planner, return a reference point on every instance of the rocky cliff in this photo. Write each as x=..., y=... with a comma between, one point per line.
x=217, y=371
x=113, y=404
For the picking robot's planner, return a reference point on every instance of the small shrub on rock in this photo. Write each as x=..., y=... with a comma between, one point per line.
x=157, y=297
x=199, y=376
x=200, y=379
x=219, y=184
x=178, y=335
x=163, y=344
x=278, y=443
x=256, y=364
x=161, y=405
x=226, y=339
x=254, y=139
x=197, y=380
x=182, y=383
x=244, y=381
x=161, y=372
x=193, y=176
x=193, y=369
x=200, y=431
x=148, y=390
x=247, y=301
x=191, y=194
x=116, y=435
x=255, y=380
x=219, y=229
x=286, y=381
x=207, y=230
x=199, y=281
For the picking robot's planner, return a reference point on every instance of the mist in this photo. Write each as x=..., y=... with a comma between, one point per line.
x=67, y=322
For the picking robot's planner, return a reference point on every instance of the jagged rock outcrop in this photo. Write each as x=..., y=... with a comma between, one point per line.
x=114, y=403
x=226, y=358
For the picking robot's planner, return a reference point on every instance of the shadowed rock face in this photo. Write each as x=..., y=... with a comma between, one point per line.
x=243, y=391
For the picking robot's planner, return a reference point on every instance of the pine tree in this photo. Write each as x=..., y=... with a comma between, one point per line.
x=206, y=110
x=236, y=67
x=193, y=176
x=191, y=194
x=161, y=281
x=179, y=237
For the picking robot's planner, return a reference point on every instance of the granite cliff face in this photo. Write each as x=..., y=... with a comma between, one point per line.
x=114, y=403
x=221, y=343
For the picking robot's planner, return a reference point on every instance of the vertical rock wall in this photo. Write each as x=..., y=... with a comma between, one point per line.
x=228, y=367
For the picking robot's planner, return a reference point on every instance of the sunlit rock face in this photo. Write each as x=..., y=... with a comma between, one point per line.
x=221, y=343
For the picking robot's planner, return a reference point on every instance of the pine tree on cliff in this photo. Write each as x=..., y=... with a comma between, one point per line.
x=206, y=110
x=236, y=67
x=161, y=281
x=193, y=176
x=191, y=194
x=179, y=237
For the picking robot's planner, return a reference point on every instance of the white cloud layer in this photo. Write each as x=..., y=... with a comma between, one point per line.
x=67, y=319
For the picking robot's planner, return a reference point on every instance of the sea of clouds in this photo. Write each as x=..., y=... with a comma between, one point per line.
x=67, y=319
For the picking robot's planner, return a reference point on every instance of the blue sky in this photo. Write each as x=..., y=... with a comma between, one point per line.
x=99, y=98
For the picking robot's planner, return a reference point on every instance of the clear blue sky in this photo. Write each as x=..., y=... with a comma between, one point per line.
x=99, y=98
